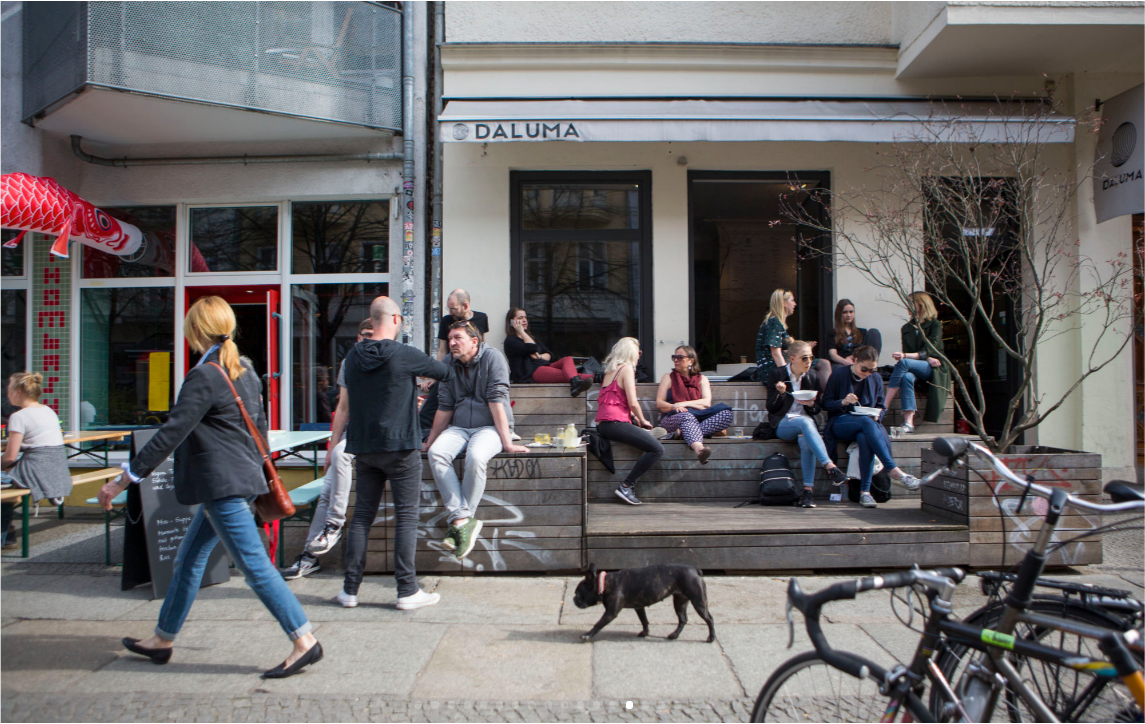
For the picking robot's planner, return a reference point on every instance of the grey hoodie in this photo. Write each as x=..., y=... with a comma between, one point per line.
x=473, y=386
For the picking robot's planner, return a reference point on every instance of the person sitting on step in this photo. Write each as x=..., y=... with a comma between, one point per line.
x=618, y=407
x=773, y=339
x=915, y=362
x=793, y=419
x=531, y=361
x=861, y=386
x=849, y=337
x=683, y=390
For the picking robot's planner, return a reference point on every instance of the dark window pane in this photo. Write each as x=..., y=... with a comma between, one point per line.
x=326, y=318
x=14, y=316
x=346, y=237
x=12, y=260
x=580, y=206
x=156, y=256
x=582, y=296
x=127, y=352
x=234, y=239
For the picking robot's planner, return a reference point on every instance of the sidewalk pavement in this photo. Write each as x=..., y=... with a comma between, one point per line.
x=496, y=648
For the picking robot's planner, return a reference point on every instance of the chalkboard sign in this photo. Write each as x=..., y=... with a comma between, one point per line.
x=161, y=521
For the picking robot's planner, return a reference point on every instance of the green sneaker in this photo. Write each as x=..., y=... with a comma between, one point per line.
x=467, y=537
x=451, y=538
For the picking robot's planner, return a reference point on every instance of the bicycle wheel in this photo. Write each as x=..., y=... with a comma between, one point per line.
x=1073, y=696
x=807, y=689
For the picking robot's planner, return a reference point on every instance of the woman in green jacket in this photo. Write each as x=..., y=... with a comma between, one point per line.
x=914, y=363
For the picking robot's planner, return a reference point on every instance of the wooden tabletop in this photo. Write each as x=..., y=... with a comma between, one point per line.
x=76, y=436
x=8, y=494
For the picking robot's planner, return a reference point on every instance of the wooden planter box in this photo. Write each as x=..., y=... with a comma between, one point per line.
x=999, y=533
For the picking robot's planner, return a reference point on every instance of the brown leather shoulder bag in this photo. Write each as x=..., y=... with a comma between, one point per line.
x=274, y=504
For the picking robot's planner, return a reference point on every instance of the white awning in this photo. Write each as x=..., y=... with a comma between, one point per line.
x=503, y=121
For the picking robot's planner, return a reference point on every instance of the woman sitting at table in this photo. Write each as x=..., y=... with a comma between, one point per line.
x=773, y=339
x=531, y=361
x=792, y=419
x=683, y=390
x=33, y=430
x=849, y=337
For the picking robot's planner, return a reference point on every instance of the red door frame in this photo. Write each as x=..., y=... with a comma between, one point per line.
x=268, y=294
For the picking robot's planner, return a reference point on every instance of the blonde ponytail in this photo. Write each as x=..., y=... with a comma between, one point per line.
x=210, y=321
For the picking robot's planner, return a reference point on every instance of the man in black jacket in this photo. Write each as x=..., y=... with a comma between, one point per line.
x=385, y=436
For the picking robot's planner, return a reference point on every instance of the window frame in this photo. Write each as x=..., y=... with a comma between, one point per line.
x=518, y=264
x=284, y=230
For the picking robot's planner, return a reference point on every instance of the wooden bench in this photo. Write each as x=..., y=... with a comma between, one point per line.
x=91, y=476
x=545, y=409
x=22, y=497
x=533, y=513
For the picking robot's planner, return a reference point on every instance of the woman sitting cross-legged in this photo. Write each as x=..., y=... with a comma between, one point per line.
x=859, y=385
x=914, y=362
x=531, y=361
x=683, y=390
x=793, y=419
x=618, y=407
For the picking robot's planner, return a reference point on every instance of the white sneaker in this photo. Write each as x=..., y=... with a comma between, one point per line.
x=417, y=600
x=325, y=540
x=346, y=600
x=867, y=501
x=659, y=433
x=909, y=482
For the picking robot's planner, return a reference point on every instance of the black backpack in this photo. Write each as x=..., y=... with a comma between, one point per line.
x=880, y=487
x=776, y=483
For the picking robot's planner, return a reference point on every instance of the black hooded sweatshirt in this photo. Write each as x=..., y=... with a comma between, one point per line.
x=381, y=382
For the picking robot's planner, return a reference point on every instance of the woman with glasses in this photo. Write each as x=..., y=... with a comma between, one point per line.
x=859, y=385
x=849, y=336
x=773, y=339
x=618, y=408
x=683, y=390
x=792, y=418
x=915, y=364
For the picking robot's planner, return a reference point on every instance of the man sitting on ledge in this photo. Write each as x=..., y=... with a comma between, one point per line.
x=859, y=385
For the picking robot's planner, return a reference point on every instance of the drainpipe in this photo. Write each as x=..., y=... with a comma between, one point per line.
x=435, y=250
x=407, y=280
x=212, y=160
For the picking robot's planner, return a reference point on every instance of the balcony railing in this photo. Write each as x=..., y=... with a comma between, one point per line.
x=330, y=61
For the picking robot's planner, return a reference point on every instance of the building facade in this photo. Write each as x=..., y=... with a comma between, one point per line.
x=617, y=168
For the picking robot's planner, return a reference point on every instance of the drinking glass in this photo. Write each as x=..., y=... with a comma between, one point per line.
x=542, y=438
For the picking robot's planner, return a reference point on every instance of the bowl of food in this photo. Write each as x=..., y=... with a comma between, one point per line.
x=804, y=395
x=872, y=411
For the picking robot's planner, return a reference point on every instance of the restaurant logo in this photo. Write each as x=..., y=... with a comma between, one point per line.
x=524, y=131
x=1124, y=141
x=460, y=131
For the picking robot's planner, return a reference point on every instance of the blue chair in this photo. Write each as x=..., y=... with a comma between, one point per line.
x=118, y=510
x=305, y=499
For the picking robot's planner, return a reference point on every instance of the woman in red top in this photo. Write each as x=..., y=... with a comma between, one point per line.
x=618, y=407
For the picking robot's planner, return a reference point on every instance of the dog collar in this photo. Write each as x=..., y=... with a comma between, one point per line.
x=600, y=583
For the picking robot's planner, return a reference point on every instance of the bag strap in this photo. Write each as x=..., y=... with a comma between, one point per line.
x=258, y=441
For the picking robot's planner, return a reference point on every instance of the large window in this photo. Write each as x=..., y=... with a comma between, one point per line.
x=13, y=338
x=12, y=260
x=582, y=258
x=234, y=239
x=340, y=237
x=156, y=255
x=127, y=364
x=326, y=318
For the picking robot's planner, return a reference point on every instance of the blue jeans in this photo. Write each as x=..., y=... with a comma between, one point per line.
x=873, y=441
x=231, y=521
x=811, y=446
x=905, y=373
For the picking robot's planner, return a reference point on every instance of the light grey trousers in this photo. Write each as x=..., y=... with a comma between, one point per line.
x=479, y=444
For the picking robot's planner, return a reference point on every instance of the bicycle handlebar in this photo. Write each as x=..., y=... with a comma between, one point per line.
x=954, y=448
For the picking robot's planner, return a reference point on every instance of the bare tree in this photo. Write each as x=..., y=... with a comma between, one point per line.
x=976, y=207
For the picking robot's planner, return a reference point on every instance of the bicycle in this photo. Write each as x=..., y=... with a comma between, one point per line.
x=1113, y=680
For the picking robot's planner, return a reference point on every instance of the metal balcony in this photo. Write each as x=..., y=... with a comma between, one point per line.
x=322, y=61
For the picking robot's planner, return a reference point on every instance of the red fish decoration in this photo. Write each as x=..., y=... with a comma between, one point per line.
x=40, y=204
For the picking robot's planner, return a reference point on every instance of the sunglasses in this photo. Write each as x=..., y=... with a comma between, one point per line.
x=806, y=358
x=868, y=370
x=679, y=357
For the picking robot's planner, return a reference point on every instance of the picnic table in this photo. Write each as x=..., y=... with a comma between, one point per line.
x=74, y=440
x=289, y=443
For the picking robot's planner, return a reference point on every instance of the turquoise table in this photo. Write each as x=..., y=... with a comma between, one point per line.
x=289, y=443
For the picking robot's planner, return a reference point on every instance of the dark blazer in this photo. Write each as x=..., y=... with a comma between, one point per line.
x=779, y=404
x=215, y=455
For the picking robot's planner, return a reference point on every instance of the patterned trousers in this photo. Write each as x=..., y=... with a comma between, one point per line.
x=694, y=430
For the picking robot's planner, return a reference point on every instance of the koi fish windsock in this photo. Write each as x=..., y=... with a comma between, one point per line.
x=40, y=204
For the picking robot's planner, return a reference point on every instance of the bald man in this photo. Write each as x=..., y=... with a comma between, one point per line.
x=385, y=437
x=459, y=311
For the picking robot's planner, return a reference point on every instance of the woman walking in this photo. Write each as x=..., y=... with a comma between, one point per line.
x=682, y=390
x=218, y=467
x=618, y=407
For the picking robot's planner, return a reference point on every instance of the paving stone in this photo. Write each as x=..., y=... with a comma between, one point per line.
x=657, y=667
x=88, y=598
x=513, y=601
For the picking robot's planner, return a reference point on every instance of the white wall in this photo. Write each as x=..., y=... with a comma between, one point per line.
x=670, y=22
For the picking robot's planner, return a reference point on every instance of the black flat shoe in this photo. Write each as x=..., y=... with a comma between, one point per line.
x=312, y=656
x=157, y=656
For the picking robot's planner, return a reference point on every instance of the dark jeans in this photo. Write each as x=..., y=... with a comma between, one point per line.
x=7, y=510
x=872, y=439
x=403, y=470
x=638, y=438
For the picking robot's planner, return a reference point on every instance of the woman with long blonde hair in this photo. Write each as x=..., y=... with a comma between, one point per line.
x=219, y=468
x=916, y=361
x=618, y=408
x=773, y=339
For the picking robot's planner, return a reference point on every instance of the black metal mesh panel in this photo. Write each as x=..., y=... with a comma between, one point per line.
x=54, y=37
x=336, y=61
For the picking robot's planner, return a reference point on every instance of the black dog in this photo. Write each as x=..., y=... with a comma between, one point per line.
x=640, y=587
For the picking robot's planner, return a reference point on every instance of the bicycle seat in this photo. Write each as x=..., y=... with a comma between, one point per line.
x=1124, y=492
